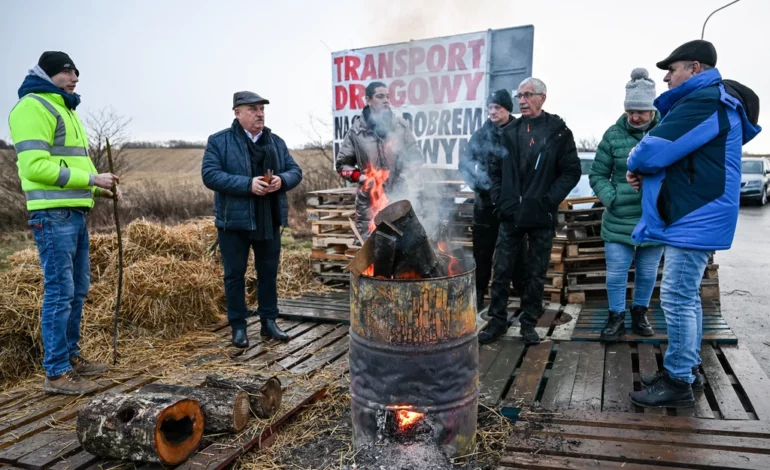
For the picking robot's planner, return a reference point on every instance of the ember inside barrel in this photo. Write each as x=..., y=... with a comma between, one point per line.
x=414, y=360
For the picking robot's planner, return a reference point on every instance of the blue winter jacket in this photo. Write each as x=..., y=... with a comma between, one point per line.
x=226, y=169
x=691, y=164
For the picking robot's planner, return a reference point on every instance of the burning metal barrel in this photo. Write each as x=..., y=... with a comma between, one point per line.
x=414, y=360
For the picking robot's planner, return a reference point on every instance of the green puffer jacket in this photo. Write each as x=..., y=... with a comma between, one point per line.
x=608, y=180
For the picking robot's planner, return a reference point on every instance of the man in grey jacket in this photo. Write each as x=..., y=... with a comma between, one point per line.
x=379, y=150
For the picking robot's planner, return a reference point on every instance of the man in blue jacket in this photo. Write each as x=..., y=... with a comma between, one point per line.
x=250, y=170
x=689, y=170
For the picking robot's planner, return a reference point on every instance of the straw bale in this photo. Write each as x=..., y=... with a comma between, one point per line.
x=183, y=242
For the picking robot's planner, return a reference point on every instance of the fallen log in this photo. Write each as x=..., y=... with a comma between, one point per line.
x=265, y=393
x=223, y=410
x=155, y=428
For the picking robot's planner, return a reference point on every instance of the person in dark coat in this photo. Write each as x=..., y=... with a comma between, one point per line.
x=249, y=168
x=485, y=144
x=529, y=181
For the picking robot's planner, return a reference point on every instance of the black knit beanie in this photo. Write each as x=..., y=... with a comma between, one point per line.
x=53, y=62
x=503, y=98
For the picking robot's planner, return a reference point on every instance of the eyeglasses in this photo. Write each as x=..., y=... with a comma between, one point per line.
x=527, y=95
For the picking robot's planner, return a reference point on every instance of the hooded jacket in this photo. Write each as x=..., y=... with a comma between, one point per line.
x=692, y=166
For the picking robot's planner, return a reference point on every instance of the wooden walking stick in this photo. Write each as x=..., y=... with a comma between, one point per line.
x=120, y=258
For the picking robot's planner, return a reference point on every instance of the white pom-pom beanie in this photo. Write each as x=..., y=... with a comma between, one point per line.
x=640, y=91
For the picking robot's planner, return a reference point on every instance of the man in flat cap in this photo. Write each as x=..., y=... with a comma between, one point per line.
x=689, y=172
x=250, y=170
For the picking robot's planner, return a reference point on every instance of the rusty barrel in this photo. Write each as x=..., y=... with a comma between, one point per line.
x=414, y=350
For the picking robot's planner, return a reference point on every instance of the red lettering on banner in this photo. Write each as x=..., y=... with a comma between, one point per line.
x=357, y=93
x=436, y=58
x=338, y=63
x=397, y=95
x=370, y=71
x=416, y=58
x=446, y=92
x=351, y=67
x=401, y=62
x=385, y=65
x=418, y=91
x=456, y=53
x=476, y=46
x=340, y=97
x=472, y=84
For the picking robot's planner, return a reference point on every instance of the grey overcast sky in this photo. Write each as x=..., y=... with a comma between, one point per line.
x=172, y=65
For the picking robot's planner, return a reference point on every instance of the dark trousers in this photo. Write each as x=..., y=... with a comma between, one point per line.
x=485, y=229
x=510, y=242
x=235, y=246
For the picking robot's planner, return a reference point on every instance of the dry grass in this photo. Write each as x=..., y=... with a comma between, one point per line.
x=172, y=291
x=326, y=427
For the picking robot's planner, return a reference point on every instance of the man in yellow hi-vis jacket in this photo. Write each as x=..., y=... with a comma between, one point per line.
x=60, y=182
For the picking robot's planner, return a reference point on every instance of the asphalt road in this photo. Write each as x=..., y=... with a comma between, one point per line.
x=744, y=279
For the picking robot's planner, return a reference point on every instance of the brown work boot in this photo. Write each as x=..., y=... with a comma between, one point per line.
x=85, y=367
x=69, y=383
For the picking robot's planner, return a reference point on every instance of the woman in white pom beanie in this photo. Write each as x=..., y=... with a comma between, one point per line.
x=623, y=209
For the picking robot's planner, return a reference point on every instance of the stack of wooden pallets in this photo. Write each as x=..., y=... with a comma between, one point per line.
x=586, y=266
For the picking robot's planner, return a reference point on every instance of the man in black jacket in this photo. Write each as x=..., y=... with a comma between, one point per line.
x=529, y=182
x=486, y=144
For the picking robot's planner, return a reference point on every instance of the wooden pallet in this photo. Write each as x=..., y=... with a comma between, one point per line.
x=338, y=198
x=32, y=435
x=582, y=440
x=591, y=376
x=593, y=316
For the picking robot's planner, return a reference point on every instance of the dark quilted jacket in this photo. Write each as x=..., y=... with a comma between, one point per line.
x=226, y=170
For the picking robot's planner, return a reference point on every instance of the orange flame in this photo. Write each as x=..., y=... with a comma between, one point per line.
x=374, y=185
x=406, y=418
x=454, y=263
x=369, y=271
x=410, y=275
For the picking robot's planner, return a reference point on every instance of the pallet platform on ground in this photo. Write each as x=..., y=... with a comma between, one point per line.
x=41, y=436
x=590, y=376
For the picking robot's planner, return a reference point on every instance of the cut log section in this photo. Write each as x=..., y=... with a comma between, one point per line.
x=265, y=393
x=156, y=428
x=414, y=255
x=223, y=410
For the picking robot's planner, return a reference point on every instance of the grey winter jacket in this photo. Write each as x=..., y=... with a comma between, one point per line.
x=363, y=148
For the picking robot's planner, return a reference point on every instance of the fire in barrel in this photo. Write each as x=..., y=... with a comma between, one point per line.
x=413, y=344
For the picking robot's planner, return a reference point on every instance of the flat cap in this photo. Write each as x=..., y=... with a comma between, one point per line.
x=698, y=50
x=247, y=97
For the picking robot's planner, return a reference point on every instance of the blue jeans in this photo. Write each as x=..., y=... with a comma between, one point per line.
x=680, y=298
x=61, y=236
x=235, y=246
x=646, y=261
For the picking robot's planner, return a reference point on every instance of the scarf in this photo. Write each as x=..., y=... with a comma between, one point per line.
x=39, y=82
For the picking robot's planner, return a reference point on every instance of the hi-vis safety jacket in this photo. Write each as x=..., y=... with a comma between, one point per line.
x=52, y=149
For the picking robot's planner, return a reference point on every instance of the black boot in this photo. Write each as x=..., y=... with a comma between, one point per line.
x=492, y=331
x=697, y=385
x=240, y=339
x=639, y=323
x=270, y=329
x=666, y=392
x=615, y=327
x=529, y=335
